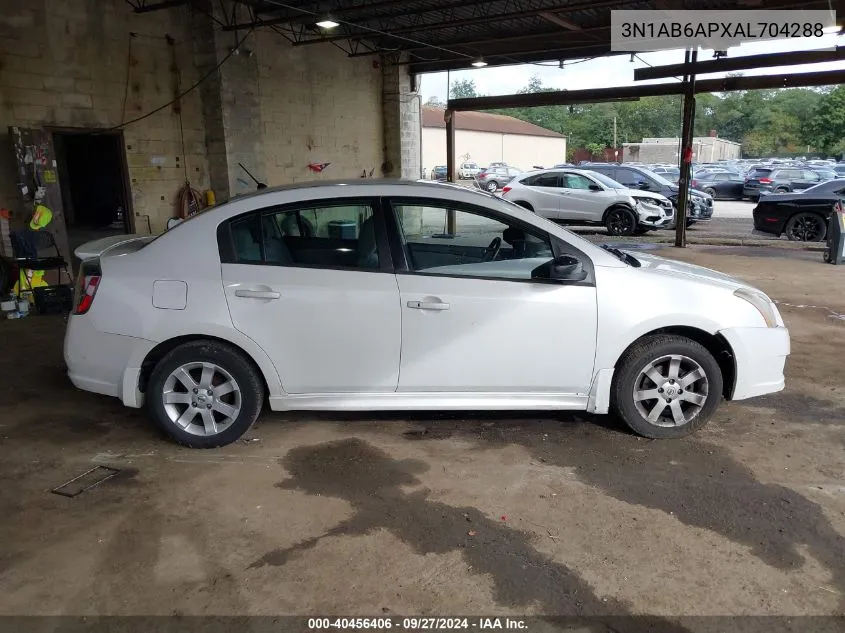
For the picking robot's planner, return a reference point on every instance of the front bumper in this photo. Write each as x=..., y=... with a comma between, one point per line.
x=759, y=356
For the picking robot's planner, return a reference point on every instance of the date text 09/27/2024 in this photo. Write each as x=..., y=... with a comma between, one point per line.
x=417, y=624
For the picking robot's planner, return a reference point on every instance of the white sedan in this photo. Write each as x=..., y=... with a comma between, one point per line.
x=390, y=295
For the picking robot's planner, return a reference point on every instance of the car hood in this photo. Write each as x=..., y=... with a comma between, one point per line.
x=113, y=245
x=646, y=195
x=652, y=264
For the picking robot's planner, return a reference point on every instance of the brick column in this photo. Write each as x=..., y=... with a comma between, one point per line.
x=401, y=112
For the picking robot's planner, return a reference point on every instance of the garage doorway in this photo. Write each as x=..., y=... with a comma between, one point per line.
x=94, y=184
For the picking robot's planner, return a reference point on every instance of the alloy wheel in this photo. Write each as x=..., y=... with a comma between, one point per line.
x=620, y=223
x=201, y=398
x=808, y=228
x=671, y=390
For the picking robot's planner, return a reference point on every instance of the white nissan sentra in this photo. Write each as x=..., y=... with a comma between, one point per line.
x=390, y=295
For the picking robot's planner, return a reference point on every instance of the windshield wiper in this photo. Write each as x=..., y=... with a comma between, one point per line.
x=621, y=255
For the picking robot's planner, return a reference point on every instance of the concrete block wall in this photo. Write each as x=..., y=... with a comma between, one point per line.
x=275, y=107
x=66, y=64
x=318, y=106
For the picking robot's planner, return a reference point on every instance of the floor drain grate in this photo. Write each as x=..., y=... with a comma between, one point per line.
x=85, y=481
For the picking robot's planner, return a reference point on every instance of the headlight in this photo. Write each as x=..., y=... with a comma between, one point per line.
x=649, y=207
x=763, y=304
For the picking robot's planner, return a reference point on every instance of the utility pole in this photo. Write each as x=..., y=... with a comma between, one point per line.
x=615, y=144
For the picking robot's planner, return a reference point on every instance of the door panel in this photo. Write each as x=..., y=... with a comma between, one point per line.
x=329, y=331
x=496, y=335
x=578, y=202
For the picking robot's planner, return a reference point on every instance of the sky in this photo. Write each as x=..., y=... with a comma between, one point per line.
x=616, y=71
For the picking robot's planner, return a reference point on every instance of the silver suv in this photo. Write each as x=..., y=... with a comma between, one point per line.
x=580, y=196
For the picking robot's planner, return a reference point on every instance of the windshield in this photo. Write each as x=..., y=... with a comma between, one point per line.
x=660, y=179
x=607, y=182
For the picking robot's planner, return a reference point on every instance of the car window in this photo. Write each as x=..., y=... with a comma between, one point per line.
x=330, y=235
x=576, y=181
x=720, y=176
x=513, y=171
x=760, y=173
x=482, y=245
x=542, y=180
x=628, y=177
x=812, y=176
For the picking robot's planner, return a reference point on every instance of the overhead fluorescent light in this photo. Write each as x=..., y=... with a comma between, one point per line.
x=479, y=63
x=327, y=24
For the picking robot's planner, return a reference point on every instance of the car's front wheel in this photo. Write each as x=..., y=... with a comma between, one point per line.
x=666, y=386
x=204, y=394
x=620, y=221
x=806, y=227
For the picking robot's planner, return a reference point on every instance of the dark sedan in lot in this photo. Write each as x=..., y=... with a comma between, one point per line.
x=723, y=185
x=802, y=216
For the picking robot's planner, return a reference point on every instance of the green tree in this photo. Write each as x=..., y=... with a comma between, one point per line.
x=463, y=88
x=826, y=126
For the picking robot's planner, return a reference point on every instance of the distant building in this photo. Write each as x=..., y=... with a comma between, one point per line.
x=706, y=149
x=484, y=138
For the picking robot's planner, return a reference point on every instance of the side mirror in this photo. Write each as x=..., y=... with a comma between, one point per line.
x=595, y=187
x=563, y=268
x=643, y=184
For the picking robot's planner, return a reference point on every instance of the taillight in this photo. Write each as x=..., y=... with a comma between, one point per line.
x=86, y=290
x=694, y=183
x=765, y=181
x=482, y=174
x=506, y=189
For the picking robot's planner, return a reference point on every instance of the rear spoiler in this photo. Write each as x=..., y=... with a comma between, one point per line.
x=114, y=244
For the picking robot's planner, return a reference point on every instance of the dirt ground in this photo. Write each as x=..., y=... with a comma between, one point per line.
x=437, y=514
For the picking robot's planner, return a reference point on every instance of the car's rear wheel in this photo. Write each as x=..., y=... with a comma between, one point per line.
x=782, y=190
x=666, y=386
x=806, y=227
x=620, y=221
x=492, y=186
x=710, y=192
x=204, y=394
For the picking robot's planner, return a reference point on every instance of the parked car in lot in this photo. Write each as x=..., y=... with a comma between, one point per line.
x=765, y=180
x=579, y=196
x=496, y=176
x=720, y=184
x=468, y=171
x=672, y=174
x=701, y=207
x=840, y=170
x=825, y=173
x=441, y=172
x=802, y=215
x=381, y=309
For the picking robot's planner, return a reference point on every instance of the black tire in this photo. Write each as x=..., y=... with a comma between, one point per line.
x=492, y=186
x=806, y=227
x=648, y=350
x=690, y=222
x=710, y=192
x=620, y=221
x=232, y=361
x=782, y=190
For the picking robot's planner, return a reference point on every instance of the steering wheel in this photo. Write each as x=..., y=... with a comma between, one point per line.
x=492, y=250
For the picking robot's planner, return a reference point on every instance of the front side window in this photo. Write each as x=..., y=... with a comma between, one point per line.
x=481, y=245
x=576, y=181
x=332, y=235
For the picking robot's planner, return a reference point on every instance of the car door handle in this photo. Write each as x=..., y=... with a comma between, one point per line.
x=428, y=305
x=257, y=294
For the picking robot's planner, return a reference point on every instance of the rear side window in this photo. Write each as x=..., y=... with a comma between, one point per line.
x=760, y=173
x=542, y=180
x=246, y=240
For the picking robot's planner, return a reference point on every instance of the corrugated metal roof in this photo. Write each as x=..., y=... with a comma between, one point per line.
x=435, y=35
x=486, y=122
